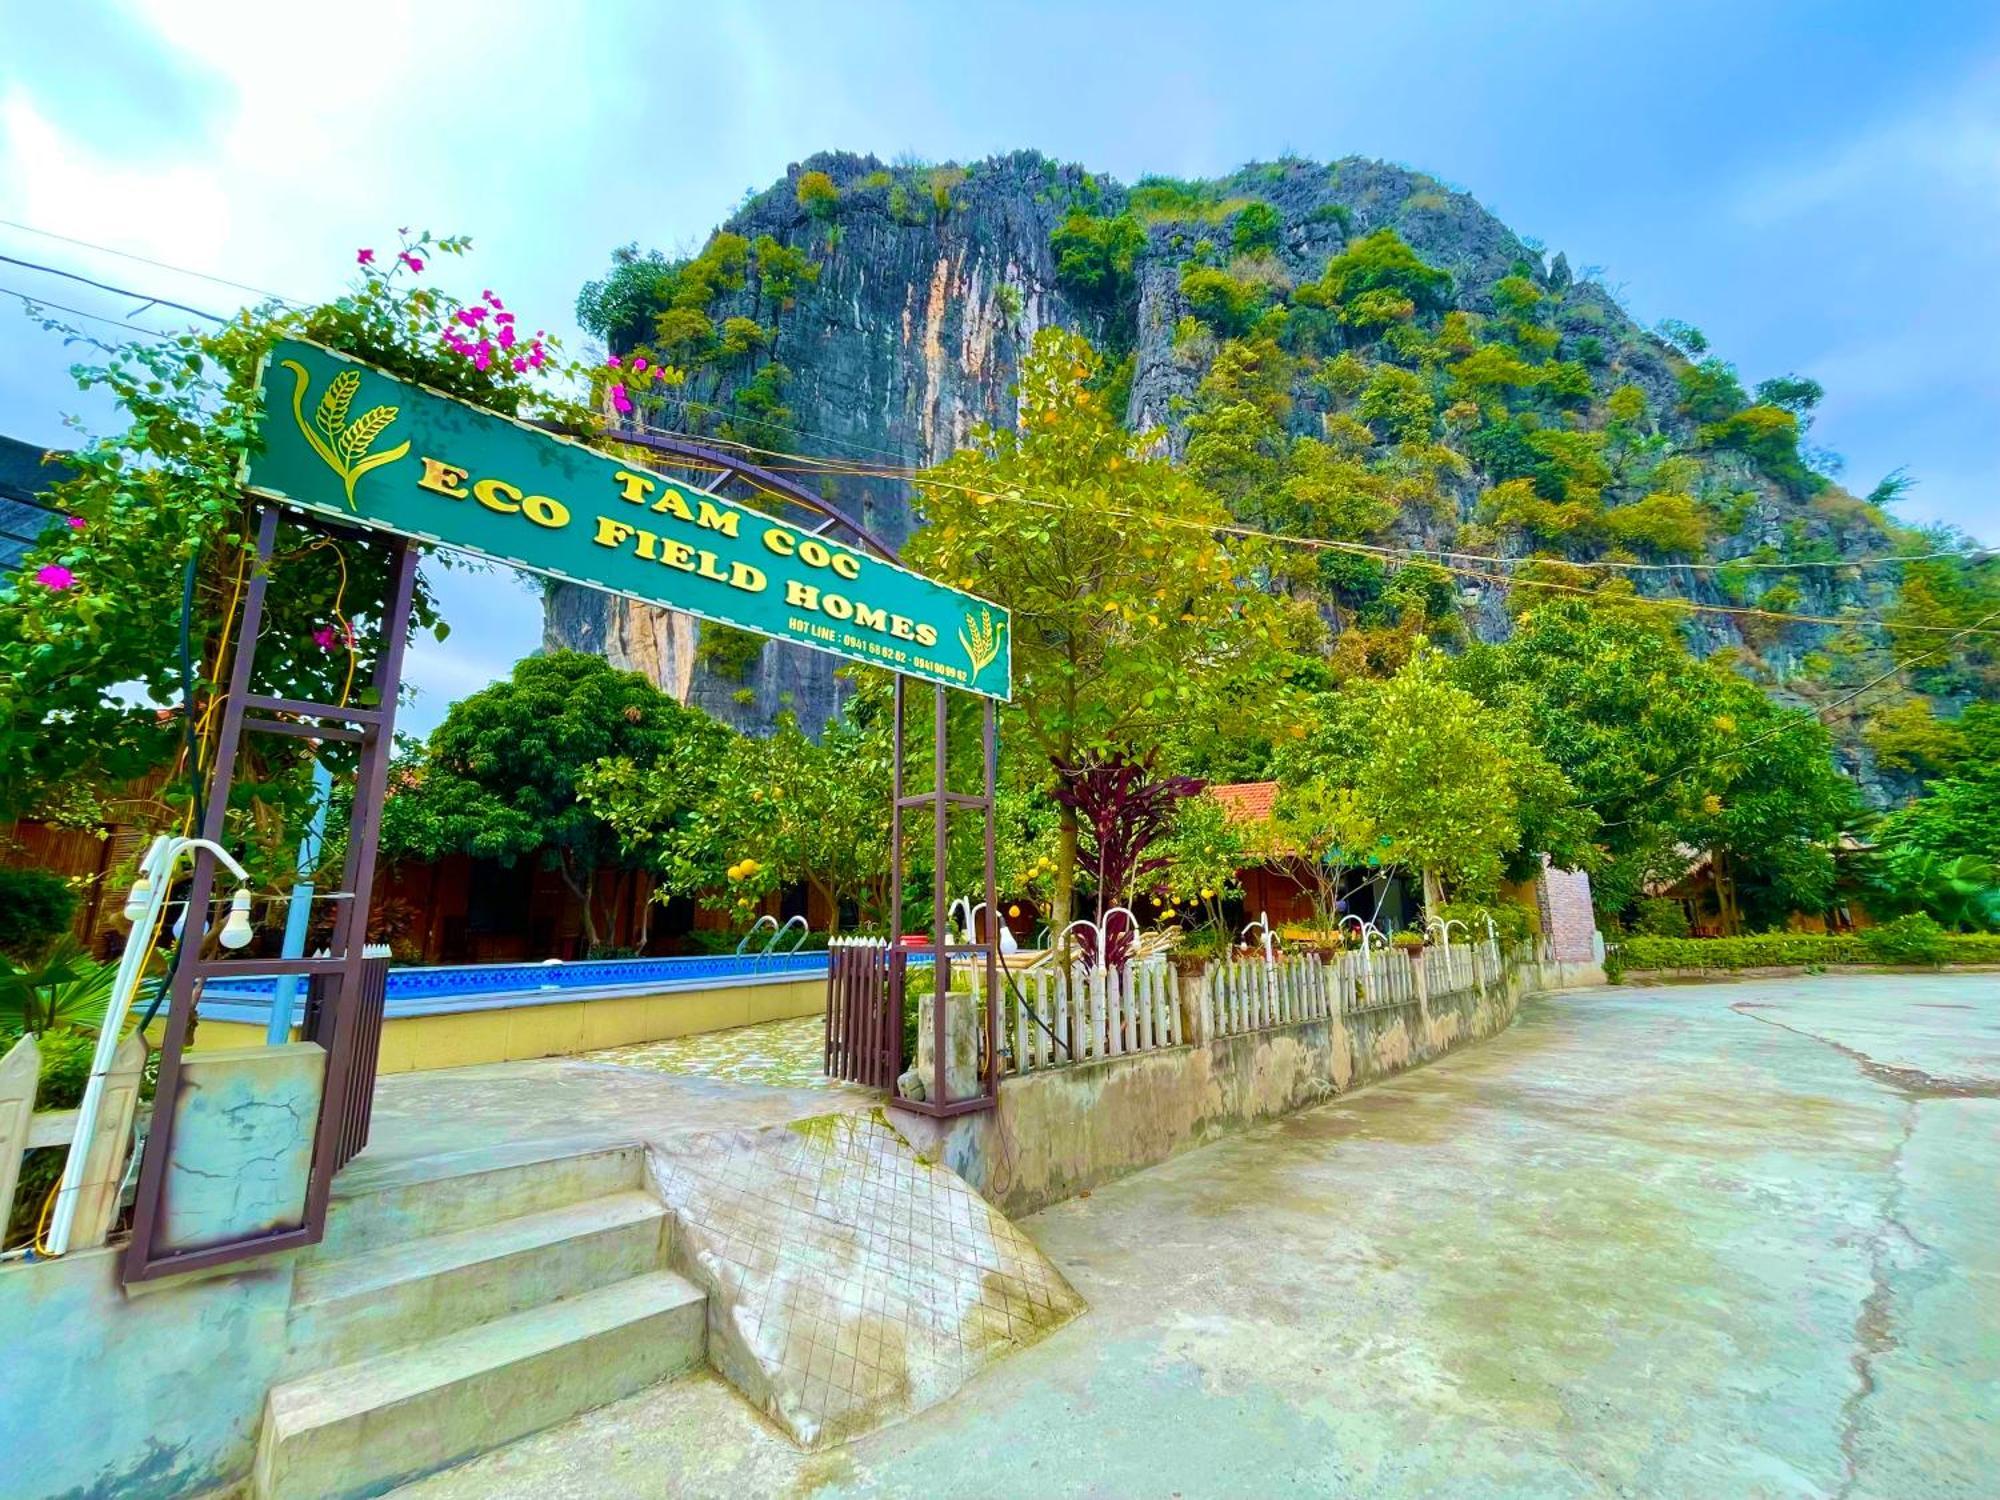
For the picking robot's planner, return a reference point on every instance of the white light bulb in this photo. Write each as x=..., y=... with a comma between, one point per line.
x=236, y=931
x=142, y=893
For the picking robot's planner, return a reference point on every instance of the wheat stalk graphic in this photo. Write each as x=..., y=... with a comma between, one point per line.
x=343, y=445
x=981, y=640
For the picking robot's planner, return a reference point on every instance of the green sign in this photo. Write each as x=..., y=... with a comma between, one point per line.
x=344, y=439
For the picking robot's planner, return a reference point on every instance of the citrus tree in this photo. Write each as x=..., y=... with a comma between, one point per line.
x=1136, y=613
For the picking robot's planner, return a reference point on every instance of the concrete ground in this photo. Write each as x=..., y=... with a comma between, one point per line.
x=1716, y=1240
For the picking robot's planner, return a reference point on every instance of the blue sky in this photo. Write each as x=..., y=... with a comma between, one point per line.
x=1817, y=186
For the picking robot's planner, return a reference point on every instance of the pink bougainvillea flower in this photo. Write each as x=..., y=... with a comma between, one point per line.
x=501, y=317
x=538, y=356
x=519, y=364
x=506, y=337
x=614, y=363
x=482, y=356
x=55, y=576
x=639, y=364
x=470, y=316
x=324, y=637
x=364, y=257
x=619, y=399
x=75, y=523
x=414, y=262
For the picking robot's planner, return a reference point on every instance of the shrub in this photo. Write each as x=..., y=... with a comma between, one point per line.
x=1810, y=949
x=1399, y=405
x=1663, y=524
x=1256, y=228
x=1659, y=917
x=1095, y=255
x=1226, y=304
x=817, y=195
x=35, y=909
x=1912, y=939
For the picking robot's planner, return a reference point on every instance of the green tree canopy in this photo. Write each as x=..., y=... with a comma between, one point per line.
x=1136, y=615
x=499, y=778
x=1451, y=786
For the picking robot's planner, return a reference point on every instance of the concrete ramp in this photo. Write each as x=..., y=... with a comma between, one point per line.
x=850, y=1280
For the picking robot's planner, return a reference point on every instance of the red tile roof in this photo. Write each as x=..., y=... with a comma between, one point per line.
x=1246, y=801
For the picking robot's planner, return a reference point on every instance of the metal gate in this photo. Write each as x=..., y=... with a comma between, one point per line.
x=864, y=1023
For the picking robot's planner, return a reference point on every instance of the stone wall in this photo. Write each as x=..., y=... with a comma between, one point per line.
x=152, y=1392
x=1068, y=1130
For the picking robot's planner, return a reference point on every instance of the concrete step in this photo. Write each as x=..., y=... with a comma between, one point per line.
x=367, y=1304
x=363, y=1428
x=445, y=1194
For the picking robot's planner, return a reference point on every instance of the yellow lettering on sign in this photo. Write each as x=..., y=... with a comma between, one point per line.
x=673, y=503
x=847, y=565
x=801, y=595
x=634, y=487
x=926, y=635
x=750, y=580
x=779, y=541
x=677, y=555
x=902, y=628
x=724, y=521
x=497, y=494
x=611, y=533
x=873, y=619
x=545, y=512
x=442, y=478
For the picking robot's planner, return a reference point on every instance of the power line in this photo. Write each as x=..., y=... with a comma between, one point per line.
x=1825, y=708
x=119, y=291
x=77, y=312
x=1665, y=601
x=807, y=464
x=146, y=260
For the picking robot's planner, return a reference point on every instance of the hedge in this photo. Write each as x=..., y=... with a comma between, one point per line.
x=1808, y=950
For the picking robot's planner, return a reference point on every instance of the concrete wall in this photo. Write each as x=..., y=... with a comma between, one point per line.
x=562, y=1027
x=153, y=1394
x=1070, y=1129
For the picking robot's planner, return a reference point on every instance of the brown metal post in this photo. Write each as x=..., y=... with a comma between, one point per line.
x=939, y=1087
x=896, y=820
x=350, y=926
x=989, y=721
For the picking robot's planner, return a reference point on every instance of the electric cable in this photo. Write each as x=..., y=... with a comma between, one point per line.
x=77, y=312
x=145, y=260
x=145, y=300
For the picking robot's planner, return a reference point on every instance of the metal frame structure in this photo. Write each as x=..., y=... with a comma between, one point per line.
x=941, y=800
x=344, y=1014
x=340, y=1024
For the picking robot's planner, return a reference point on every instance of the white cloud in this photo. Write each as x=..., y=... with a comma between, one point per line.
x=1947, y=148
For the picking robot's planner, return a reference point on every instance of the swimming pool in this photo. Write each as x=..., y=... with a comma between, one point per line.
x=449, y=988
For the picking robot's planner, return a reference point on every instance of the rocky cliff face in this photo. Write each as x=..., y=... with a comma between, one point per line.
x=931, y=282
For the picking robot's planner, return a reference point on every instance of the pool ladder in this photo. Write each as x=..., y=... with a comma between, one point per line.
x=770, y=948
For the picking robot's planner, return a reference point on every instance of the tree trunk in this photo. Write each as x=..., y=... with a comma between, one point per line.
x=582, y=890
x=1433, y=893
x=1061, y=909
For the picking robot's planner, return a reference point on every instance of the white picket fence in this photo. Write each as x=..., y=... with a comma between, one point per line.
x=1050, y=1016
x=1250, y=993
x=108, y=1157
